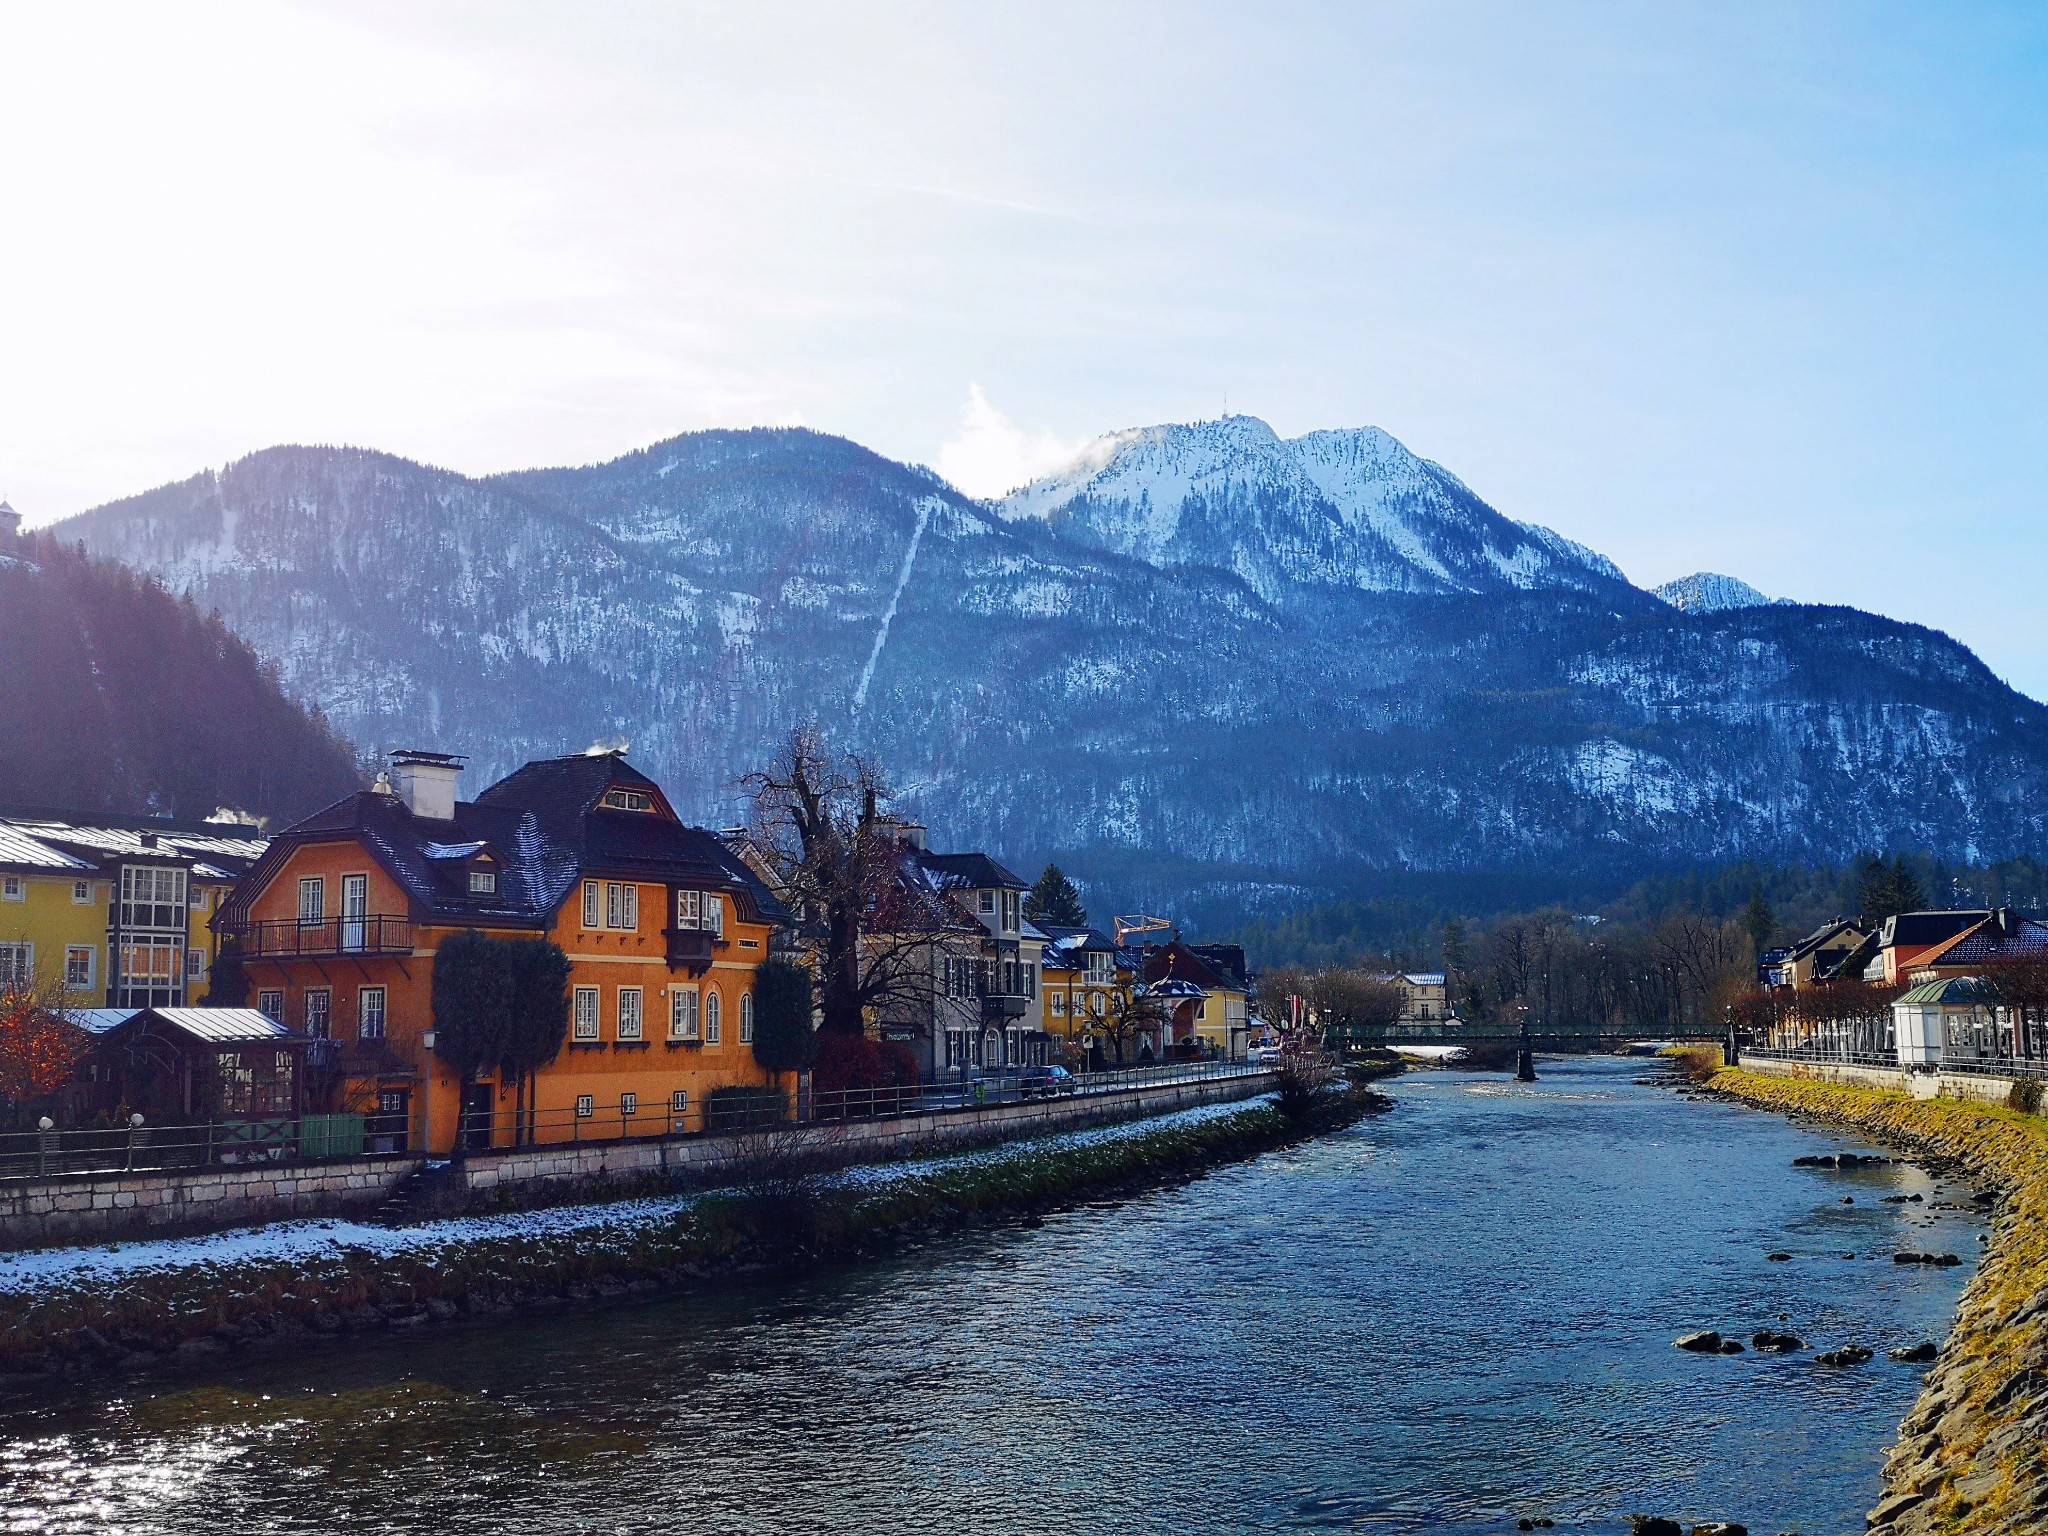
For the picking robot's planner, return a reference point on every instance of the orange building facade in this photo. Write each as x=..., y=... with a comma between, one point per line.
x=338, y=926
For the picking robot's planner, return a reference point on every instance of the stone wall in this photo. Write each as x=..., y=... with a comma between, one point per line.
x=1921, y=1085
x=100, y=1208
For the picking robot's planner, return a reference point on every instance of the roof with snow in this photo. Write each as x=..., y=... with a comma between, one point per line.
x=60, y=841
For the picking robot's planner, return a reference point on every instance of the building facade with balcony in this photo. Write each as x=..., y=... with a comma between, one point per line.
x=113, y=911
x=337, y=926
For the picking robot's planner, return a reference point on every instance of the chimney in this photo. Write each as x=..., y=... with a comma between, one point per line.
x=425, y=781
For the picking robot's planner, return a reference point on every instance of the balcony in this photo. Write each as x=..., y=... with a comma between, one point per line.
x=996, y=1007
x=290, y=939
x=690, y=949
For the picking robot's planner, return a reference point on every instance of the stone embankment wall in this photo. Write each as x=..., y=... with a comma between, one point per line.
x=1921, y=1085
x=1972, y=1457
x=99, y=1208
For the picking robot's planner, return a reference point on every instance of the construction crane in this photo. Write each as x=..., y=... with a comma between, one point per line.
x=1132, y=927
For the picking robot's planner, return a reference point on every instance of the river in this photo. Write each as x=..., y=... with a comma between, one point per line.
x=1454, y=1315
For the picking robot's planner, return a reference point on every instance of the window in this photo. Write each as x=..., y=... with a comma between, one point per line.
x=152, y=897
x=151, y=975
x=682, y=1014
x=1012, y=909
x=586, y=1105
x=1058, y=1004
x=1030, y=979
x=13, y=888
x=312, y=899
x=319, y=1011
x=78, y=967
x=17, y=965
x=370, y=1013
x=585, y=1013
x=988, y=901
x=195, y=965
x=622, y=906
x=1095, y=1004
x=629, y=1013
x=271, y=1005
x=712, y=1009
x=679, y=1102
x=714, y=913
x=483, y=882
x=197, y=900
x=687, y=907
x=701, y=909
x=746, y=1018
x=629, y=1104
x=628, y=800
x=590, y=900
x=81, y=893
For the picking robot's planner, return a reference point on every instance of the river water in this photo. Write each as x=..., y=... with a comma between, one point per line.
x=1454, y=1315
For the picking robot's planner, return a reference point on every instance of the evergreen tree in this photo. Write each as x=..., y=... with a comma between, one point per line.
x=1758, y=920
x=473, y=1001
x=537, y=1016
x=784, y=1040
x=1054, y=900
x=1886, y=889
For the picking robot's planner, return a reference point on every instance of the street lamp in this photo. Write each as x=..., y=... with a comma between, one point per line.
x=1733, y=1055
x=1525, y=1057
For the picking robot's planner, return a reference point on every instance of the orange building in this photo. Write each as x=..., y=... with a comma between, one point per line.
x=337, y=925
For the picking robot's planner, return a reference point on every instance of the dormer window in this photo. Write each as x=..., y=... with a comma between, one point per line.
x=483, y=882
x=628, y=800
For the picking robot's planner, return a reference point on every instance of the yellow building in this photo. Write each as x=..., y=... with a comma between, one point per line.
x=1080, y=979
x=113, y=911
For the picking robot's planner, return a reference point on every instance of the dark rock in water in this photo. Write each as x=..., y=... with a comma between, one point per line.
x=1938, y=1260
x=1848, y=1354
x=1705, y=1342
x=1915, y=1354
x=1848, y=1255
x=1848, y=1199
x=1653, y=1525
x=1771, y=1342
x=1893, y=1200
x=1779, y=1258
x=1720, y=1528
x=1840, y=1160
x=1731, y=1346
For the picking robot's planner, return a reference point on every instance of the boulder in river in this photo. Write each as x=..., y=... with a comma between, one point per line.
x=1848, y=1354
x=1915, y=1354
x=1779, y=1258
x=1705, y=1342
x=1653, y=1525
x=1772, y=1342
x=1731, y=1346
x=1720, y=1528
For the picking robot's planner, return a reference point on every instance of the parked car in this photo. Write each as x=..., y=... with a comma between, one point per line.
x=1045, y=1082
x=1262, y=1055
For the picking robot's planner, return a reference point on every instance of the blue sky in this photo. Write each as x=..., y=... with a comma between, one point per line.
x=1756, y=290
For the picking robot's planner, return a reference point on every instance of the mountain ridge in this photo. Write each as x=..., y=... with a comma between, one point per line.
x=1217, y=722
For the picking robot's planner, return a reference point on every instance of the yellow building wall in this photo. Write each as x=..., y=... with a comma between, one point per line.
x=51, y=920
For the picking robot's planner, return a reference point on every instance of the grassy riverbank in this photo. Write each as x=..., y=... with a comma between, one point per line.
x=134, y=1308
x=1973, y=1455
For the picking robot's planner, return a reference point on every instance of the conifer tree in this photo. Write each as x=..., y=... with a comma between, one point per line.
x=1054, y=900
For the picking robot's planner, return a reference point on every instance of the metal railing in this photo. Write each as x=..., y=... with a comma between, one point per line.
x=1826, y=1054
x=372, y=934
x=145, y=1148
x=1012, y=1085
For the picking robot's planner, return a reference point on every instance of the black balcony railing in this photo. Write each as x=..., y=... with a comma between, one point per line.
x=375, y=934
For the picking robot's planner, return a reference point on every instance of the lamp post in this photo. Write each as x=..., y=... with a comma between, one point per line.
x=1733, y=1054
x=1525, y=1057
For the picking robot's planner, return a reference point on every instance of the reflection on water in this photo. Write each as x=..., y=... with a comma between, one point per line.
x=1447, y=1318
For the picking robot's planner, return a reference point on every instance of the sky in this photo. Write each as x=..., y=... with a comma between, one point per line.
x=1751, y=289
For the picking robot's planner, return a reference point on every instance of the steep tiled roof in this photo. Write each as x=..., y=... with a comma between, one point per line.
x=971, y=871
x=1910, y=928
x=1992, y=940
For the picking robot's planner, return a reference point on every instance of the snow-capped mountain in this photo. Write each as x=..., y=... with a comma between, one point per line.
x=1705, y=592
x=1208, y=668
x=1348, y=509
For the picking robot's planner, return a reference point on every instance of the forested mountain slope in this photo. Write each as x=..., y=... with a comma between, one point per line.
x=1206, y=666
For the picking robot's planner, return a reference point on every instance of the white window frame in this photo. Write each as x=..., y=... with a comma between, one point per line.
x=586, y=1105
x=746, y=1018
x=683, y=1021
x=627, y=800
x=679, y=1102
x=584, y=1010
x=632, y=1017
x=72, y=952
x=629, y=1105
x=622, y=906
x=195, y=897
x=1058, y=1003
x=372, y=1011
x=987, y=903
x=688, y=905
x=195, y=964
x=81, y=893
x=270, y=1003
x=714, y=913
x=324, y=1014
x=592, y=903
x=714, y=1017
x=483, y=882
x=315, y=909
x=18, y=964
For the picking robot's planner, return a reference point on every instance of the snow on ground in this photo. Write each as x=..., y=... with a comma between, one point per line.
x=305, y=1242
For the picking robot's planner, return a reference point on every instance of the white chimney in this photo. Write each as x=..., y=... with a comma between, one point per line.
x=425, y=781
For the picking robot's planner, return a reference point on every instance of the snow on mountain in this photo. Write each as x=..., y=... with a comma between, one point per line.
x=1705, y=592
x=1203, y=660
x=1351, y=509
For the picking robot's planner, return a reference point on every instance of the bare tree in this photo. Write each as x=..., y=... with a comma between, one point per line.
x=1129, y=1013
x=868, y=920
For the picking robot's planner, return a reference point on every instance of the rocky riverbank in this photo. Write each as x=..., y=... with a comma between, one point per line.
x=1973, y=1455
x=146, y=1306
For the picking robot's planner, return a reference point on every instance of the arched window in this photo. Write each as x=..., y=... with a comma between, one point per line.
x=746, y=1018
x=714, y=1013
